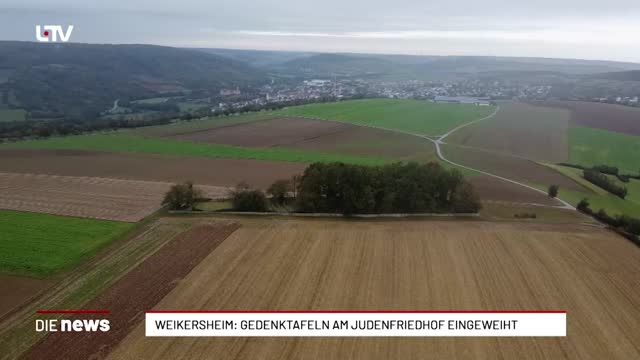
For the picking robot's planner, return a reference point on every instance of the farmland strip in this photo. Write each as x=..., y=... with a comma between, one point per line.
x=134, y=293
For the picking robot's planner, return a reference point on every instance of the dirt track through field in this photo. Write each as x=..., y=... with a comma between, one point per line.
x=133, y=294
x=98, y=198
x=407, y=265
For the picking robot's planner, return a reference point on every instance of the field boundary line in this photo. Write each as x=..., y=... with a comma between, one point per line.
x=330, y=215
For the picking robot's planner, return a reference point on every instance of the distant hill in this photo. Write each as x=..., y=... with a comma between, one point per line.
x=83, y=79
x=479, y=64
x=633, y=75
x=258, y=58
x=339, y=65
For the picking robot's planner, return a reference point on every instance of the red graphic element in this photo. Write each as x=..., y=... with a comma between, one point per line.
x=357, y=311
x=46, y=33
x=72, y=311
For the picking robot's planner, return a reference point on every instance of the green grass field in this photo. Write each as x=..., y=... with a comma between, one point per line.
x=413, y=116
x=131, y=144
x=7, y=115
x=590, y=147
x=40, y=244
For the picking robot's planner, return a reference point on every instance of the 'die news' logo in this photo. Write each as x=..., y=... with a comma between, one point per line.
x=52, y=33
x=66, y=325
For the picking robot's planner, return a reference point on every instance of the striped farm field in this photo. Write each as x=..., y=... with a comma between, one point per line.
x=409, y=265
x=123, y=143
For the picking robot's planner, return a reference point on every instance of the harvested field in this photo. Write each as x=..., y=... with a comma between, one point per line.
x=147, y=167
x=511, y=167
x=266, y=133
x=318, y=136
x=534, y=132
x=201, y=124
x=135, y=292
x=372, y=142
x=505, y=211
x=403, y=265
x=89, y=197
x=489, y=188
x=618, y=118
x=15, y=290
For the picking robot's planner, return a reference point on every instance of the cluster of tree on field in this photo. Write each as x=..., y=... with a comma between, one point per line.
x=626, y=225
x=394, y=188
x=351, y=189
x=182, y=196
x=355, y=189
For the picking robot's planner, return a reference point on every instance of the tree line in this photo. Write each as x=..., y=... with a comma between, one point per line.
x=347, y=189
x=623, y=224
x=604, y=182
x=606, y=169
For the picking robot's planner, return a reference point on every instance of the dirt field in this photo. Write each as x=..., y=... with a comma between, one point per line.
x=623, y=119
x=489, y=188
x=372, y=142
x=220, y=172
x=324, y=264
x=534, y=132
x=509, y=166
x=89, y=197
x=14, y=290
x=137, y=291
x=266, y=133
x=317, y=135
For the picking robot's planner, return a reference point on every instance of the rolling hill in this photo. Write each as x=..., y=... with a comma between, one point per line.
x=79, y=80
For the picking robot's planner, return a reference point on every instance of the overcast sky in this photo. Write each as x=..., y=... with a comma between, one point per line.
x=585, y=29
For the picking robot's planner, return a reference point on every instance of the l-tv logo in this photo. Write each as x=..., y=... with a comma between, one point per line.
x=51, y=33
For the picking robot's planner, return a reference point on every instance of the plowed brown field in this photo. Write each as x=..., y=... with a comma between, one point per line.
x=623, y=119
x=266, y=133
x=511, y=167
x=135, y=292
x=589, y=272
x=316, y=135
x=89, y=197
x=219, y=172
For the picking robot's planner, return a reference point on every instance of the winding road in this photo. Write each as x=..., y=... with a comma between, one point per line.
x=439, y=140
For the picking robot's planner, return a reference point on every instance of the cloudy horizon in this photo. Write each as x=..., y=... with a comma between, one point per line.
x=551, y=29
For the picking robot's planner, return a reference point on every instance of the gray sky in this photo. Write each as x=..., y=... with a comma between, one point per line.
x=586, y=29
